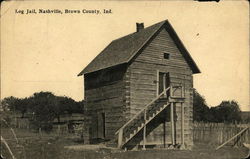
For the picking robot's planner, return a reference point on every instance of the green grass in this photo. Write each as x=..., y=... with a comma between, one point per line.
x=50, y=146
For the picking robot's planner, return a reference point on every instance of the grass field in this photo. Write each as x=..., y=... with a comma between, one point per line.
x=49, y=146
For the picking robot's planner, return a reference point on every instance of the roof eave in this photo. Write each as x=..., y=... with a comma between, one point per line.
x=80, y=74
x=86, y=72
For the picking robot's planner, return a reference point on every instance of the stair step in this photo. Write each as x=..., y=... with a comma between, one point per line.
x=131, y=135
x=126, y=140
x=160, y=101
x=139, y=122
x=163, y=100
x=135, y=131
x=155, y=112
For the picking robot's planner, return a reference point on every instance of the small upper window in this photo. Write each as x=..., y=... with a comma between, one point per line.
x=166, y=56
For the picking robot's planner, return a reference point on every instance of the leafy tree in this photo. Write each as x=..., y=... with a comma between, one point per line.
x=22, y=105
x=61, y=107
x=43, y=107
x=78, y=107
x=16, y=104
x=227, y=111
x=66, y=105
x=200, y=108
x=9, y=103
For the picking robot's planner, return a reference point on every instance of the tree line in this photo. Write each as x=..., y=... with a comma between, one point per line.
x=226, y=111
x=43, y=107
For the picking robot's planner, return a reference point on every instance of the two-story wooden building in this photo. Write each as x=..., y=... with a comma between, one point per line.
x=139, y=90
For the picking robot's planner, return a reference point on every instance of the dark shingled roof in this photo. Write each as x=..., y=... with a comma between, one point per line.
x=122, y=50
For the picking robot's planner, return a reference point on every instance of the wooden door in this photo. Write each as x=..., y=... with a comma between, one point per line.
x=94, y=126
x=164, y=81
x=101, y=125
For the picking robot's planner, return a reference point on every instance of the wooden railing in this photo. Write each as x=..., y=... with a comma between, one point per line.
x=143, y=112
x=173, y=88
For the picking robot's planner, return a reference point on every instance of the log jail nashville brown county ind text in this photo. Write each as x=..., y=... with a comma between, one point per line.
x=66, y=11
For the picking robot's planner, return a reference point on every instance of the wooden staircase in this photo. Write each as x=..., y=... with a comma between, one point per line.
x=142, y=118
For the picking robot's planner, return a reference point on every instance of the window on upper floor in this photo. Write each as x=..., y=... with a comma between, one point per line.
x=166, y=56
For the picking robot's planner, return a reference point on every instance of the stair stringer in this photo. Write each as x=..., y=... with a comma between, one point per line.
x=145, y=124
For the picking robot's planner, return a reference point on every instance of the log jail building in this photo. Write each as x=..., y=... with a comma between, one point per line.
x=139, y=90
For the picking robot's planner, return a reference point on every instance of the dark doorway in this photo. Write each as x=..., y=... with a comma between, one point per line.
x=101, y=125
x=164, y=81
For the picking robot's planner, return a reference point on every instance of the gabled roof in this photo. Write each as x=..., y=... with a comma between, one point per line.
x=122, y=50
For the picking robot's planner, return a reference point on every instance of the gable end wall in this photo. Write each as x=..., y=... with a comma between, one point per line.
x=143, y=83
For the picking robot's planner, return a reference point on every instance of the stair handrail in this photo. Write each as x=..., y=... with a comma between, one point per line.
x=145, y=108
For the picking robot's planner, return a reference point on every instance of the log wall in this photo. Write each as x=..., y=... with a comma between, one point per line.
x=105, y=93
x=143, y=72
x=121, y=91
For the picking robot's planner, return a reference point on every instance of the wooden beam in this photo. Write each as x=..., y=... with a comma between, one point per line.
x=232, y=138
x=172, y=123
x=182, y=92
x=164, y=83
x=144, y=130
x=7, y=146
x=182, y=124
x=171, y=91
x=120, y=136
x=157, y=83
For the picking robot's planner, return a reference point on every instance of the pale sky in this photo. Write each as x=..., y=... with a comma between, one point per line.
x=45, y=52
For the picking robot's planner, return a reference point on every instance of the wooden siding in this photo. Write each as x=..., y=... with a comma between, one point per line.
x=105, y=93
x=121, y=91
x=143, y=85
